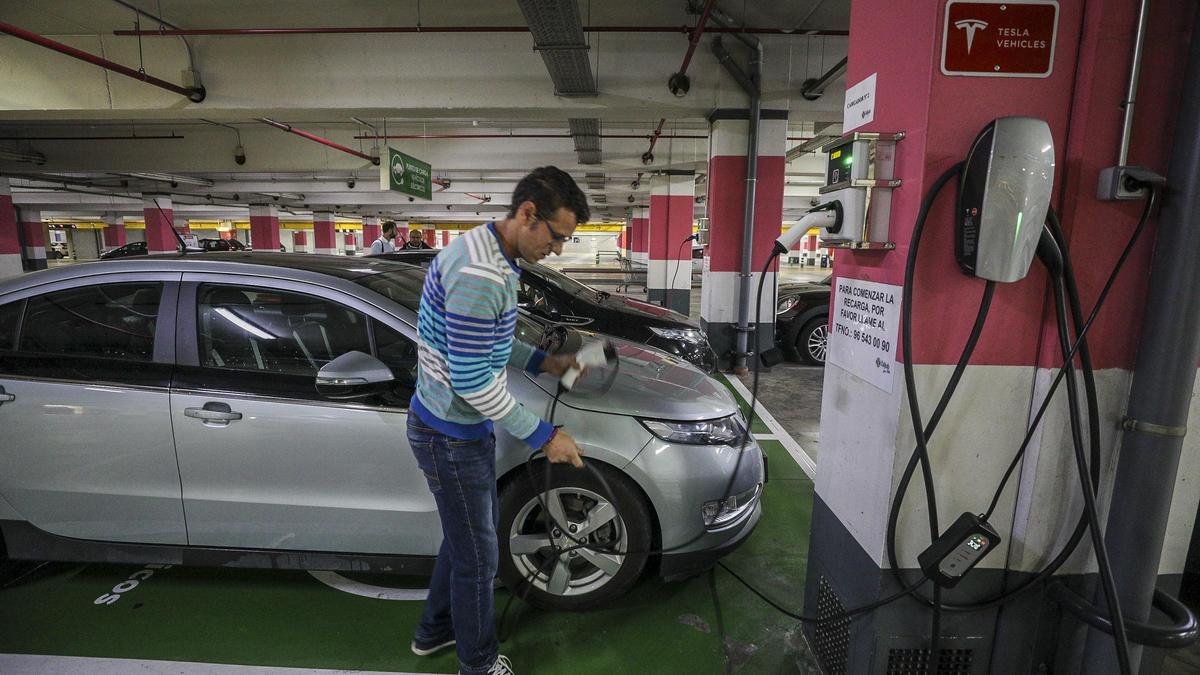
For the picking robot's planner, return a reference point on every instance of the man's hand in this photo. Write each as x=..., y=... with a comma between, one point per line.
x=557, y=364
x=562, y=449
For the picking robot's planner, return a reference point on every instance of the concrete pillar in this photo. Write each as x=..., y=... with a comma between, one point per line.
x=10, y=240
x=720, y=295
x=160, y=219
x=350, y=241
x=264, y=227
x=181, y=225
x=33, y=239
x=866, y=430
x=445, y=238
x=669, y=275
x=323, y=234
x=300, y=241
x=639, y=226
x=370, y=232
x=114, y=231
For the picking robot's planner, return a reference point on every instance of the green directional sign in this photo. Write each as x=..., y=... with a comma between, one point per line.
x=403, y=173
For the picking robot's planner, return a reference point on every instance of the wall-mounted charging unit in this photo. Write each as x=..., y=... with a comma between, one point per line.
x=859, y=173
x=960, y=548
x=1004, y=197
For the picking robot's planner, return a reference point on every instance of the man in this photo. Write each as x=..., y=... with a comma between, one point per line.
x=384, y=243
x=465, y=327
x=416, y=241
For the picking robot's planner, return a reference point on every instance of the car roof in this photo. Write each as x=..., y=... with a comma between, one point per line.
x=298, y=266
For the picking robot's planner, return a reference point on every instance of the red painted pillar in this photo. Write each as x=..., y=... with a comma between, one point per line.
x=160, y=220
x=639, y=226
x=720, y=293
x=323, y=233
x=445, y=238
x=114, y=231
x=10, y=242
x=264, y=227
x=299, y=241
x=33, y=239
x=351, y=242
x=370, y=232
x=669, y=274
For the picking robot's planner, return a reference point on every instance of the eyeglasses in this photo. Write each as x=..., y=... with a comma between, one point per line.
x=554, y=236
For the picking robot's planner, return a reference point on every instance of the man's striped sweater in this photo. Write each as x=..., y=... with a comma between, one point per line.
x=465, y=328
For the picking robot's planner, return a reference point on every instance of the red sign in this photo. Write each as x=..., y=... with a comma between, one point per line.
x=999, y=39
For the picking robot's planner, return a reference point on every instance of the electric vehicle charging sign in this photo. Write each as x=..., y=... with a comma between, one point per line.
x=866, y=320
x=999, y=39
x=404, y=173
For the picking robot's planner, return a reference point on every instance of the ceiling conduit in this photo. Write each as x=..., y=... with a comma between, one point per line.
x=323, y=141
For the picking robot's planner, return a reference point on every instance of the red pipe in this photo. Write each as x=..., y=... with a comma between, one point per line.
x=370, y=137
x=323, y=141
x=165, y=32
x=195, y=95
x=696, y=33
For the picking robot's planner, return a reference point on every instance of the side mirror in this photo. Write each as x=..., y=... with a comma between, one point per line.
x=354, y=375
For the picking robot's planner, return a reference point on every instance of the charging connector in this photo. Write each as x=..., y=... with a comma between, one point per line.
x=960, y=548
x=1127, y=183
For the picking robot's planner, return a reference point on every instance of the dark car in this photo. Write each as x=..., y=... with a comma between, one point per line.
x=222, y=245
x=802, y=320
x=131, y=249
x=552, y=295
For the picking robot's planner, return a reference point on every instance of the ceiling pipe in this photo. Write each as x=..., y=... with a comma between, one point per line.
x=813, y=87
x=172, y=137
x=323, y=141
x=562, y=135
x=679, y=83
x=194, y=94
x=331, y=30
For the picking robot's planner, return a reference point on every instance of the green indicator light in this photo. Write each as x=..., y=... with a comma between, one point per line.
x=848, y=160
x=1018, y=232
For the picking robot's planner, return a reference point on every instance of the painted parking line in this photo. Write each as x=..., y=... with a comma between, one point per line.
x=37, y=664
x=807, y=465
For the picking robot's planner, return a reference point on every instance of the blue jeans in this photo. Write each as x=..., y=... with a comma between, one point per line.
x=462, y=477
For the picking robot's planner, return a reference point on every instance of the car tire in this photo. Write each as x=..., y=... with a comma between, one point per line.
x=812, y=341
x=572, y=582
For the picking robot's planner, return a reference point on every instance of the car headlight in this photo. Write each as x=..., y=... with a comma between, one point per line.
x=786, y=303
x=724, y=431
x=684, y=334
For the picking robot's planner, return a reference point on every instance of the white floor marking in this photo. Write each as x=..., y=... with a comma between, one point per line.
x=807, y=465
x=36, y=664
x=341, y=583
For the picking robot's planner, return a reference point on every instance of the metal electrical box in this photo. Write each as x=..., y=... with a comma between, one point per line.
x=859, y=173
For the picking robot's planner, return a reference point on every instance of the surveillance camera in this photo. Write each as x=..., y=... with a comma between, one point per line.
x=411, y=199
x=174, y=184
x=813, y=201
x=630, y=199
x=350, y=183
x=635, y=184
x=239, y=155
x=449, y=206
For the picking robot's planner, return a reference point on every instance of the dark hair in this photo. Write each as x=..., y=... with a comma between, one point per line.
x=389, y=225
x=550, y=189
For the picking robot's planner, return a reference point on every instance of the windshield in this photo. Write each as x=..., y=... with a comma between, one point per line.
x=404, y=287
x=558, y=279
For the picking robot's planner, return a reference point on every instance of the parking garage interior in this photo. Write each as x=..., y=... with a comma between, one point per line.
x=901, y=301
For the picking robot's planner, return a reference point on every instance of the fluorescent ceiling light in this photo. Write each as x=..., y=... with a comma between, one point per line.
x=172, y=178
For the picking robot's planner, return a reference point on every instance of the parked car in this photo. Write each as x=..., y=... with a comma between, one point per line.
x=222, y=245
x=249, y=409
x=133, y=248
x=802, y=320
x=56, y=250
x=549, y=293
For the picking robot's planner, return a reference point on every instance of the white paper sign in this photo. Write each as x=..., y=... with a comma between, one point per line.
x=860, y=104
x=866, y=320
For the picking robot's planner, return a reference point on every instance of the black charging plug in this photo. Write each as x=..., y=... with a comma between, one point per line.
x=960, y=548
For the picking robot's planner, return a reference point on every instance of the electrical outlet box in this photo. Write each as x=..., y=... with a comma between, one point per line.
x=859, y=173
x=1116, y=183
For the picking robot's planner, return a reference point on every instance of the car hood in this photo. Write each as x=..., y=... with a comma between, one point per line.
x=645, y=382
x=797, y=288
x=641, y=310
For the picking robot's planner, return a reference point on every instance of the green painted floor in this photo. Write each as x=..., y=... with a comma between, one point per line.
x=708, y=624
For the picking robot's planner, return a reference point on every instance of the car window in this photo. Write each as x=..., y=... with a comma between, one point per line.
x=402, y=286
x=398, y=353
x=10, y=314
x=114, y=321
x=557, y=279
x=248, y=328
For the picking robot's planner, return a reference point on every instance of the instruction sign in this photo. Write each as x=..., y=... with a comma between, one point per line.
x=999, y=39
x=860, y=104
x=404, y=173
x=862, y=340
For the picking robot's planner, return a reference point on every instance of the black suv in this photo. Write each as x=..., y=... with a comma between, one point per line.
x=553, y=296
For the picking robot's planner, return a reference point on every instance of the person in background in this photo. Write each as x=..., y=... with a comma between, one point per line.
x=384, y=244
x=416, y=241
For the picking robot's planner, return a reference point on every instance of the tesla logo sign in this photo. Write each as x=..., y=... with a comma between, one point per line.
x=999, y=39
x=970, y=26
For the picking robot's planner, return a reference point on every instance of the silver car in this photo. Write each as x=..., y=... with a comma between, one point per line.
x=249, y=410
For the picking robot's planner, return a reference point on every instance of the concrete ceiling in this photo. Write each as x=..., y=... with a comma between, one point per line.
x=350, y=87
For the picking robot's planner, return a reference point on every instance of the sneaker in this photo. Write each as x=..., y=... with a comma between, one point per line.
x=425, y=649
x=502, y=666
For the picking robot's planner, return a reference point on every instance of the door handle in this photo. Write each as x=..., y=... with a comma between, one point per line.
x=213, y=412
x=6, y=397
